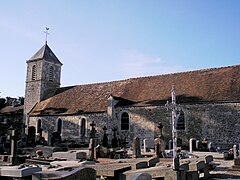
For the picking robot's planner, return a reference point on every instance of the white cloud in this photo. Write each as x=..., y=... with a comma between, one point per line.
x=137, y=64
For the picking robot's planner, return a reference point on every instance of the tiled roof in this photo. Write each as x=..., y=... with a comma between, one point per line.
x=45, y=53
x=11, y=110
x=216, y=84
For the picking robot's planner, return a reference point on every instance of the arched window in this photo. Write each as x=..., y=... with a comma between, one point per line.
x=83, y=127
x=59, y=126
x=181, y=121
x=125, y=121
x=51, y=73
x=34, y=73
x=39, y=125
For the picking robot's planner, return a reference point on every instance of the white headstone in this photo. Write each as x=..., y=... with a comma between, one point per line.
x=191, y=144
x=235, y=151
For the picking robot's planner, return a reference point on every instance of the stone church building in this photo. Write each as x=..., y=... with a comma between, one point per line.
x=209, y=101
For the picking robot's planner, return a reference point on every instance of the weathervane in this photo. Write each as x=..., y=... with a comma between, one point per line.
x=47, y=33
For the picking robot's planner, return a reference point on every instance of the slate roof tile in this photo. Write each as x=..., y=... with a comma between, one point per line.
x=215, y=84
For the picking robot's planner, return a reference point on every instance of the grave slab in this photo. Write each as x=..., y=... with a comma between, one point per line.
x=155, y=172
x=71, y=155
x=141, y=176
x=18, y=171
x=199, y=166
x=83, y=173
x=110, y=170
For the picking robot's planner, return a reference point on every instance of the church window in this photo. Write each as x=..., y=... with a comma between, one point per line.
x=34, y=72
x=83, y=127
x=59, y=125
x=181, y=121
x=125, y=121
x=39, y=124
x=51, y=73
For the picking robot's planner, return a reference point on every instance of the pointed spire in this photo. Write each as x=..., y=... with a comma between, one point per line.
x=45, y=53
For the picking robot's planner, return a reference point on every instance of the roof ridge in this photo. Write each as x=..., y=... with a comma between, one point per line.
x=133, y=78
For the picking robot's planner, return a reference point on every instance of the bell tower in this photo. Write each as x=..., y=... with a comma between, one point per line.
x=43, y=74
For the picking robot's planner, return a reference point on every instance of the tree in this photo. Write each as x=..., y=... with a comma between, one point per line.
x=2, y=103
x=21, y=100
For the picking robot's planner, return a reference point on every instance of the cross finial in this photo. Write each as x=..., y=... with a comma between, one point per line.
x=47, y=33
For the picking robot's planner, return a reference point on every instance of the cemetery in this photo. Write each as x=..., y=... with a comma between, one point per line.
x=101, y=159
x=122, y=130
x=150, y=161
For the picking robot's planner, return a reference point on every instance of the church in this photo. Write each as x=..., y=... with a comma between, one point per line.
x=209, y=104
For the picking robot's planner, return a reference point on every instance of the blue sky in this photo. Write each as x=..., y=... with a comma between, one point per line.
x=105, y=40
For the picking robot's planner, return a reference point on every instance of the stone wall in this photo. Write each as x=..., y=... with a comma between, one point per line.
x=219, y=123
x=71, y=125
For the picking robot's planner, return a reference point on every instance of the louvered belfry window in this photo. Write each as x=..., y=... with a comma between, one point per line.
x=34, y=72
x=51, y=73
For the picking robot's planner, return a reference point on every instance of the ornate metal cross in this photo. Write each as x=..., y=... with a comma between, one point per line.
x=175, y=108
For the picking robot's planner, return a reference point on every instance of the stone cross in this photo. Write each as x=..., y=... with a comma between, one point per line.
x=93, y=130
x=92, y=141
x=12, y=134
x=114, y=140
x=175, y=108
x=105, y=138
x=114, y=132
x=160, y=127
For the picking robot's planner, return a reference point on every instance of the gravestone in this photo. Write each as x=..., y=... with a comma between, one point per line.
x=148, y=144
x=204, y=144
x=192, y=145
x=157, y=146
x=55, y=138
x=92, y=143
x=18, y=172
x=13, y=149
x=136, y=147
x=211, y=147
x=235, y=151
x=105, y=138
x=197, y=144
x=162, y=147
x=114, y=140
